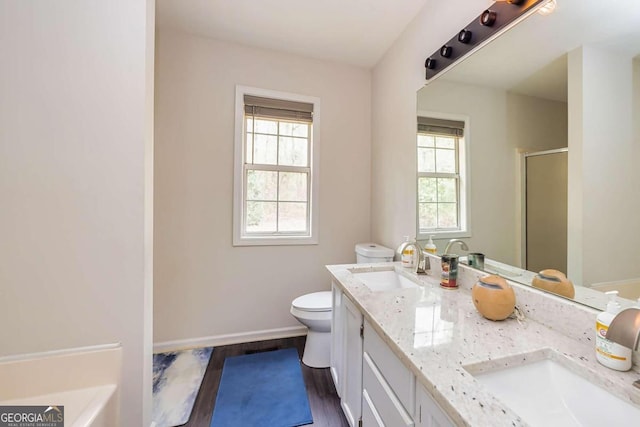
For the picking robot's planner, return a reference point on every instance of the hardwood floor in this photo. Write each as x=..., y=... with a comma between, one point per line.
x=323, y=399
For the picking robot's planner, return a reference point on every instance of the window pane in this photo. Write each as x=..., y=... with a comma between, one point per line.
x=425, y=140
x=292, y=217
x=293, y=187
x=445, y=161
x=261, y=217
x=262, y=185
x=427, y=190
x=427, y=215
x=266, y=126
x=294, y=129
x=265, y=149
x=447, y=215
x=292, y=151
x=445, y=142
x=426, y=160
x=249, y=124
x=447, y=191
x=249, y=153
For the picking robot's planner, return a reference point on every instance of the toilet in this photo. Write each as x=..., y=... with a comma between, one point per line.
x=372, y=252
x=314, y=310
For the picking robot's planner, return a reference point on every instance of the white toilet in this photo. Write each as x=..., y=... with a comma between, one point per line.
x=372, y=252
x=314, y=311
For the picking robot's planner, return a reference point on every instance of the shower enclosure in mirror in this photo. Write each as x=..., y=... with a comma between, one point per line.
x=568, y=85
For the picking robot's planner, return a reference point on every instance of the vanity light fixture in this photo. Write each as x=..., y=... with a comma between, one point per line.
x=488, y=18
x=500, y=16
x=464, y=36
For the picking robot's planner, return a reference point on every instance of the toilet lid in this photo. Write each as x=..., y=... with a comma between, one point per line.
x=317, y=301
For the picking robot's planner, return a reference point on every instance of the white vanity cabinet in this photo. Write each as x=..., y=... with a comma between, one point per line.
x=337, y=338
x=388, y=387
x=429, y=413
x=346, y=355
x=374, y=385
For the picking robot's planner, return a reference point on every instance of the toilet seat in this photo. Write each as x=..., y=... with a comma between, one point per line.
x=314, y=302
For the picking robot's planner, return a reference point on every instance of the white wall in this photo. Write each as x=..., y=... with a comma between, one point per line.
x=603, y=177
x=203, y=285
x=74, y=137
x=499, y=124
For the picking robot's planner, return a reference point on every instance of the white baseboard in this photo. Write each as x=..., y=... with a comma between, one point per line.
x=218, y=340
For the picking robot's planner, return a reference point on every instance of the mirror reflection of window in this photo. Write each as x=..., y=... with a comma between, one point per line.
x=441, y=172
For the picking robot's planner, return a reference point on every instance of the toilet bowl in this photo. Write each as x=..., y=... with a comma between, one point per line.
x=314, y=311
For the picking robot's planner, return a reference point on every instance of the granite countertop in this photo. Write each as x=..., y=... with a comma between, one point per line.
x=438, y=332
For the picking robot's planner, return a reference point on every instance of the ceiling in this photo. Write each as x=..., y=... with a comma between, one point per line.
x=356, y=32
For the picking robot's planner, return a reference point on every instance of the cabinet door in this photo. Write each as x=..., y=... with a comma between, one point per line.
x=337, y=339
x=352, y=388
x=370, y=417
x=429, y=414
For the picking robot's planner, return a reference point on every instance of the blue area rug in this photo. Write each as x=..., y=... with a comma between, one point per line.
x=177, y=377
x=262, y=390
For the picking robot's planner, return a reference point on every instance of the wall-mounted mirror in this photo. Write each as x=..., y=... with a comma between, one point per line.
x=551, y=146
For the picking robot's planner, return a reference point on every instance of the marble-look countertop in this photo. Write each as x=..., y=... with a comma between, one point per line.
x=438, y=332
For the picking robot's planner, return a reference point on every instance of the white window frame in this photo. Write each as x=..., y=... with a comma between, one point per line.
x=464, y=196
x=239, y=238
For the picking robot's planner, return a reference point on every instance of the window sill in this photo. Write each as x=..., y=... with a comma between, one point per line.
x=274, y=241
x=441, y=235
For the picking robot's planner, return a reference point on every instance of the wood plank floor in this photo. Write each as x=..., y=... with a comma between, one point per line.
x=323, y=399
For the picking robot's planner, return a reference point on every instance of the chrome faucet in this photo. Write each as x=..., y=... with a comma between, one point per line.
x=423, y=263
x=625, y=328
x=463, y=245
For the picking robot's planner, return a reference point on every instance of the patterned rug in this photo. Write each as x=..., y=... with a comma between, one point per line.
x=176, y=380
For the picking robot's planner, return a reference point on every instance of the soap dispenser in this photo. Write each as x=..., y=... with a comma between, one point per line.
x=430, y=246
x=608, y=353
x=407, y=252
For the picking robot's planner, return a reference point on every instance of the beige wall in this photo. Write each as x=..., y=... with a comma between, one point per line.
x=73, y=142
x=395, y=80
x=203, y=285
x=499, y=124
x=603, y=176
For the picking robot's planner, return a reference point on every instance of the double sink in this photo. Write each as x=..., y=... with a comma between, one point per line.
x=543, y=387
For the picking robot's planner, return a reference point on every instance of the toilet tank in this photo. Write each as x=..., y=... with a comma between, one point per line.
x=372, y=252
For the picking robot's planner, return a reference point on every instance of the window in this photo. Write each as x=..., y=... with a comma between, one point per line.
x=276, y=171
x=442, y=205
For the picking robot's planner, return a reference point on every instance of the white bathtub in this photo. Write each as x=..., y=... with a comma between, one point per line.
x=629, y=289
x=84, y=381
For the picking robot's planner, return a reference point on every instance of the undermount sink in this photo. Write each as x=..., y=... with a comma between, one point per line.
x=546, y=393
x=384, y=280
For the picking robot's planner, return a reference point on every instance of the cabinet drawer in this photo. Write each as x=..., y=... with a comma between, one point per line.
x=401, y=380
x=370, y=416
x=383, y=401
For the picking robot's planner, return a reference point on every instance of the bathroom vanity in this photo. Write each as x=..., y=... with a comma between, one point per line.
x=416, y=355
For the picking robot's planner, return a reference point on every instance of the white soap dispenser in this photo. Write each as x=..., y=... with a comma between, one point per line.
x=608, y=353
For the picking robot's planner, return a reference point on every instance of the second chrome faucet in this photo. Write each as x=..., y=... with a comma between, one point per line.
x=463, y=245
